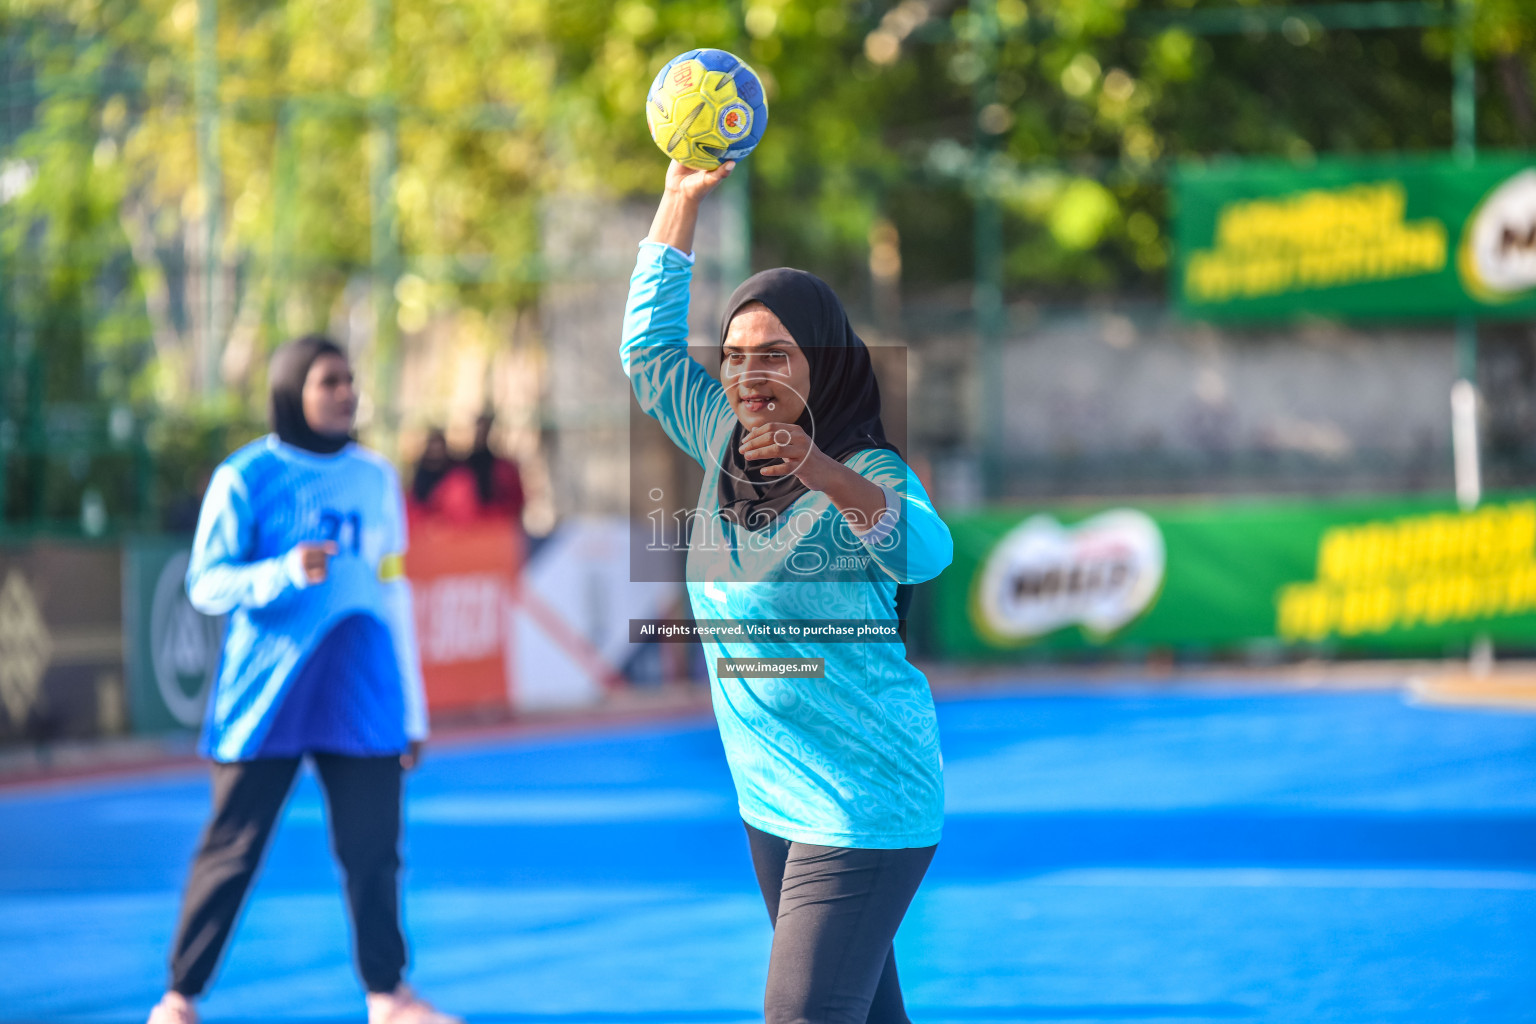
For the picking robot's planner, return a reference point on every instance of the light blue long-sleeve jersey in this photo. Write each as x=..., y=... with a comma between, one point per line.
x=851, y=759
x=263, y=501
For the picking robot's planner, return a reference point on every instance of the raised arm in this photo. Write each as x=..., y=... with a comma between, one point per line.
x=678, y=213
x=669, y=384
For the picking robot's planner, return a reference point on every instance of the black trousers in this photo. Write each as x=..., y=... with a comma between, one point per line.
x=835, y=912
x=362, y=796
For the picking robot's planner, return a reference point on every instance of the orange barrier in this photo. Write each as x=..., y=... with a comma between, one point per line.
x=463, y=575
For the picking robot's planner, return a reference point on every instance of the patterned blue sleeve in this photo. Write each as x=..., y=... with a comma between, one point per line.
x=669, y=383
x=910, y=542
x=221, y=576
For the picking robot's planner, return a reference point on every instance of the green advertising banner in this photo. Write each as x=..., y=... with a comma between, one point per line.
x=173, y=649
x=1385, y=239
x=1405, y=576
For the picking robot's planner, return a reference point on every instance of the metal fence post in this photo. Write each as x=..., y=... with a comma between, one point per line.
x=987, y=292
x=385, y=239
x=210, y=184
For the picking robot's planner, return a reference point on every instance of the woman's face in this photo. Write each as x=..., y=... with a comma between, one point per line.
x=766, y=375
x=330, y=403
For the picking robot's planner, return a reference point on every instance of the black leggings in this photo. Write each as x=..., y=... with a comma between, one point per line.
x=835, y=912
x=363, y=804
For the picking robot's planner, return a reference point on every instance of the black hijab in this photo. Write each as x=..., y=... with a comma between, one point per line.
x=842, y=413
x=285, y=378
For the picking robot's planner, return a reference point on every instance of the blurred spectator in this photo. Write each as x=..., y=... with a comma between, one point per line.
x=498, y=482
x=482, y=486
x=441, y=488
x=435, y=464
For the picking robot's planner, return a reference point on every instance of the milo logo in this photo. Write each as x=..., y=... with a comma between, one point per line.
x=1099, y=574
x=1498, y=249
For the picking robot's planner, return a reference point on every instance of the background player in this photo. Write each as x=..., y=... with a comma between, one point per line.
x=300, y=541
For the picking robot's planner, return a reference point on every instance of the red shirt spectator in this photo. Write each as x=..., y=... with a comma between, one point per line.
x=498, y=482
x=482, y=486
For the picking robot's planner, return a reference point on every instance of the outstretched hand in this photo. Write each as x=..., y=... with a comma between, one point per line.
x=693, y=184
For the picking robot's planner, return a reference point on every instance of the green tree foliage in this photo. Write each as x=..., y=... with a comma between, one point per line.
x=1066, y=111
x=302, y=89
x=884, y=116
x=874, y=114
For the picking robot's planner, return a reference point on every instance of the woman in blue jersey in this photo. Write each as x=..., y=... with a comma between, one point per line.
x=808, y=516
x=300, y=542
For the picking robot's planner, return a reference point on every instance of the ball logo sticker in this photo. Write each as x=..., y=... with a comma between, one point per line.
x=736, y=121
x=1498, y=248
x=1100, y=574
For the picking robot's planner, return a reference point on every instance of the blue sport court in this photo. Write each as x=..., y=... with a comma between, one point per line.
x=1210, y=853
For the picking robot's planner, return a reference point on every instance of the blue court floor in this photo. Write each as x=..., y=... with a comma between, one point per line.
x=1210, y=855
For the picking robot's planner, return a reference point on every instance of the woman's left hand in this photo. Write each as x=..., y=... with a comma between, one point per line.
x=412, y=756
x=789, y=442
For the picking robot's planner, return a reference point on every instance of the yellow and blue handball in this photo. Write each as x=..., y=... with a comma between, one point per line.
x=706, y=107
